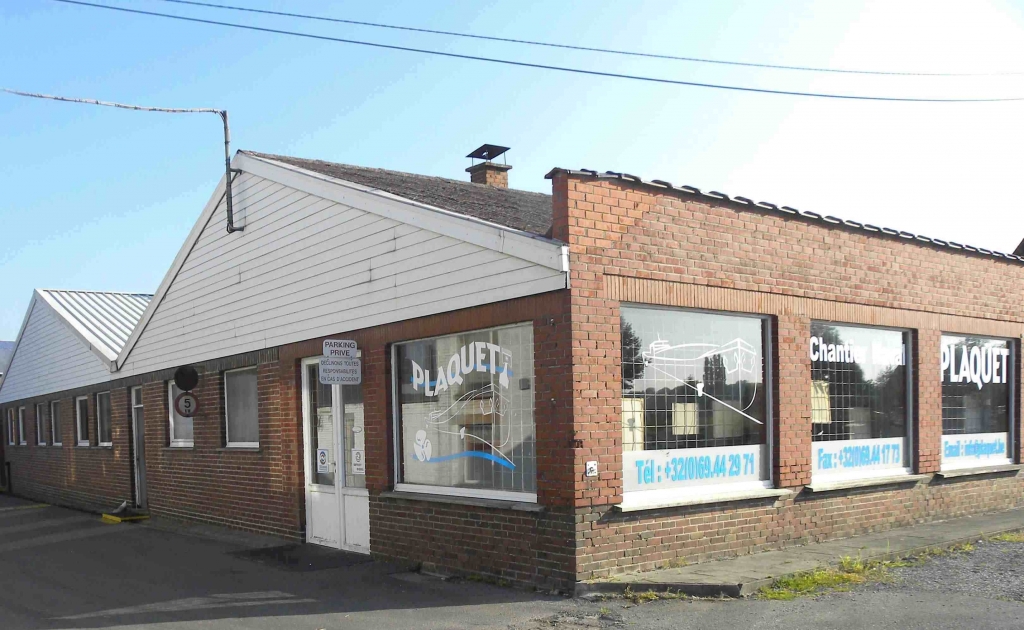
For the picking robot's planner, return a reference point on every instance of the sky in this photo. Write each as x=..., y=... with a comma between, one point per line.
x=101, y=199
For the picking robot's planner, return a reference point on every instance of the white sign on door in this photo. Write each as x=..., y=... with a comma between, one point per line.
x=340, y=371
x=341, y=348
x=323, y=460
x=358, y=462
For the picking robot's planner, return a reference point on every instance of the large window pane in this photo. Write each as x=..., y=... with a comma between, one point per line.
x=242, y=408
x=181, y=427
x=355, y=436
x=321, y=426
x=858, y=395
x=466, y=412
x=858, y=383
x=103, y=418
x=694, y=402
x=976, y=377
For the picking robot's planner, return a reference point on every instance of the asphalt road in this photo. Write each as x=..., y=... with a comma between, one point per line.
x=64, y=569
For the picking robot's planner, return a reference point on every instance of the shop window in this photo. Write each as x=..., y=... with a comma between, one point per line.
x=22, y=438
x=82, y=420
x=180, y=429
x=465, y=414
x=10, y=426
x=55, y=436
x=977, y=373
x=103, y=430
x=694, y=402
x=241, y=408
x=40, y=424
x=859, y=401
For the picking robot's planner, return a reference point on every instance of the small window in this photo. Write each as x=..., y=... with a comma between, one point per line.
x=55, y=437
x=41, y=424
x=22, y=440
x=103, y=433
x=82, y=420
x=180, y=429
x=241, y=408
x=10, y=427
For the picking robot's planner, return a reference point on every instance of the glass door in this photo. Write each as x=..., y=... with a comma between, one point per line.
x=320, y=435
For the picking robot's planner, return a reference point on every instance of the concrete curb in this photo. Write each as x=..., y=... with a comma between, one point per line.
x=747, y=588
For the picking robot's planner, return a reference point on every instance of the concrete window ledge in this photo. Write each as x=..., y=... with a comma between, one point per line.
x=766, y=493
x=497, y=504
x=984, y=470
x=848, y=484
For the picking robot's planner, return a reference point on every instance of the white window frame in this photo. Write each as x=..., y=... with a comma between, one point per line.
x=10, y=426
x=78, y=420
x=227, y=425
x=170, y=419
x=110, y=420
x=21, y=427
x=396, y=424
x=40, y=425
x=55, y=437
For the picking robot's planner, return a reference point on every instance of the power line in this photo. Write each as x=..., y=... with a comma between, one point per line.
x=611, y=51
x=223, y=113
x=524, y=64
x=142, y=108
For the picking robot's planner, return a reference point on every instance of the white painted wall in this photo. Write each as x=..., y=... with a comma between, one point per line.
x=308, y=265
x=50, y=358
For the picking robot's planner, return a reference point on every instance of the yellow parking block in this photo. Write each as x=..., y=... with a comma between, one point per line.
x=113, y=519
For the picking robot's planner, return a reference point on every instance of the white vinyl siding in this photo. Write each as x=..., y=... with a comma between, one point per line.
x=180, y=428
x=40, y=424
x=103, y=429
x=82, y=421
x=241, y=408
x=55, y=435
x=308, y=267
x=50, y=358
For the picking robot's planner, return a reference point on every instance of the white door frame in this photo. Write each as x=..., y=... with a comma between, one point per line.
x=139, y=434
x=339, y=490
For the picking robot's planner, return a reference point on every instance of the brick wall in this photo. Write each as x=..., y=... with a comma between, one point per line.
x=636, y=243
x=89, y=477
x=254, y=489
x=525, y=547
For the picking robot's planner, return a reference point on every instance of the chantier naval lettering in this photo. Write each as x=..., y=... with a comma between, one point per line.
x=978, y=365
x=852, y=353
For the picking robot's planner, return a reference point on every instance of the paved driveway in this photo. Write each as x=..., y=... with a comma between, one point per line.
x=64, y=569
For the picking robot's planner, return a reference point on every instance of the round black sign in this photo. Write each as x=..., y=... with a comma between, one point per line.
x=186, y=378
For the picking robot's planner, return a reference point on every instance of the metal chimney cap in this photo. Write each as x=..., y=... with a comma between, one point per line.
x=487, y=152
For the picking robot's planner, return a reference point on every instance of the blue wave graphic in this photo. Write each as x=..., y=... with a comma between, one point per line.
x=481, y=455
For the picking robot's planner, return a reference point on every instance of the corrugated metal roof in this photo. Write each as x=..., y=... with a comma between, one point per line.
x=811, y=217
x=104, y=319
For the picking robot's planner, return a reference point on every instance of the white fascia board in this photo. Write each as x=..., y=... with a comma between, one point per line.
x=17, y=342
x=172, y=273
x=530, y=247
x=100, y=349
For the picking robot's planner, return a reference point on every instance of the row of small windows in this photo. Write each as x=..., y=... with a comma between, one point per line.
x=241, y=417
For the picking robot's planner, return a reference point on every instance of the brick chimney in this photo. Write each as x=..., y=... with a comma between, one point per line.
x=488, y=172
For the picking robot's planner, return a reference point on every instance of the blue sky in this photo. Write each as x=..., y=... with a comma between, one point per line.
x=95, y=198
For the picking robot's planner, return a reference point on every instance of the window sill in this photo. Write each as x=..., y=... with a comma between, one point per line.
x=847, y=484
x=982, y=470
x=498, y=504
x=177, y=448
x=703, y=499
x=238, y=449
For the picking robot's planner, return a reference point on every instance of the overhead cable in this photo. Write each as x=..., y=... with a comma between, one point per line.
x=612, y=51
x=540, y=66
